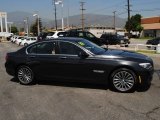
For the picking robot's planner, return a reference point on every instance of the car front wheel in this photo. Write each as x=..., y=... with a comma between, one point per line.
x=123, y=80
x=25, y=44
x=25, y=75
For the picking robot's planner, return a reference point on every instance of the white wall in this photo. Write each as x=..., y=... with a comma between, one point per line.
x=99, y=32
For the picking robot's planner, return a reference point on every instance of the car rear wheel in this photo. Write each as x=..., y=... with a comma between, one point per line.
x=123, y=80
x=25, y=75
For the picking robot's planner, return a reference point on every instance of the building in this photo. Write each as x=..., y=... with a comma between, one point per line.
x=151, y=27
x=99, y=30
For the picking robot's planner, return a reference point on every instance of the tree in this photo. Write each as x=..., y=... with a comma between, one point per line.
x=14, y=30
x=134, y=23
x=34, y=27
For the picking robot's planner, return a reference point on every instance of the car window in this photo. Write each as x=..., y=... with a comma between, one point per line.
x=62, y=34
x=33, y=39
x=80, y=34
x=43, y=48
x=91, y=46
x=68, y=48
x=90, y=35
x=32, y=49
x=50, y=34
x=28, y=39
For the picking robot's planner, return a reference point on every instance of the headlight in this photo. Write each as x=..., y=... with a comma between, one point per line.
x=146, y=65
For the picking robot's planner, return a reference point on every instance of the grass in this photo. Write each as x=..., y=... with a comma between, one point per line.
x=147, y=51
x=145, y=38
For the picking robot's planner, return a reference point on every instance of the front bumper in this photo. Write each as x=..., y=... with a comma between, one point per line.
x=145, y=77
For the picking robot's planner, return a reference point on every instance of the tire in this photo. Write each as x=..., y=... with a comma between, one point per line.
x=126, y=45
x=123, y=80
x=25, y=44
x=25, y=75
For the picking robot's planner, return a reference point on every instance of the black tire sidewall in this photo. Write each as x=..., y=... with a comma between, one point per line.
x=25, y=44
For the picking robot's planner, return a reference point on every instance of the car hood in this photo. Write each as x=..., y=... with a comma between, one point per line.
x=123, y=54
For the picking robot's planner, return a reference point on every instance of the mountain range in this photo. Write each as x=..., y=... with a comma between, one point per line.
x=90, y=19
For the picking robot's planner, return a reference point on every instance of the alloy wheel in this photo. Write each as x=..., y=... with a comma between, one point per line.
x=123, y=81
x=25, y=75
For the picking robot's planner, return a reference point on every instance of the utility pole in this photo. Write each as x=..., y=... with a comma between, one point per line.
x=114, y=20
x=82, y=13
x=128, y=8
x=55, y=13
x=68, y=15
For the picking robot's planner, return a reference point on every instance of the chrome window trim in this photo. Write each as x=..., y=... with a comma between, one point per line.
x=82, y=48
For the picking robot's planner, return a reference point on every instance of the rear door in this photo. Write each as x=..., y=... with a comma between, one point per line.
x=44, y=59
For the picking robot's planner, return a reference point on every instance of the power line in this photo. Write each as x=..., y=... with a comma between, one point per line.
x=143, y=10
x=108, y=7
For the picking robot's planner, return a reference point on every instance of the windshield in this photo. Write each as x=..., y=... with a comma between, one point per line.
x=91, y=46
x=50, y=33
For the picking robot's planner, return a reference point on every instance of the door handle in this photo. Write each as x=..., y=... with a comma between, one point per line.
x=32, y=56
x=63, y=57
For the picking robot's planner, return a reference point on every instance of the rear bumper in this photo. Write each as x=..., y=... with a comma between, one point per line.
x=9, y=69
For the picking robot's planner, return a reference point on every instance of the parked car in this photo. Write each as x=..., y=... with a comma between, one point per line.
x=19, y=40
x=13, y=39
x=113, y=39
x=79, y=60
x=56, y=34
x=86, y=35
x=154, y=41
x=42, y=36
x=28, y=41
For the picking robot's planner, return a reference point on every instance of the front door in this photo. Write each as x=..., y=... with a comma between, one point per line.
x=74, y=67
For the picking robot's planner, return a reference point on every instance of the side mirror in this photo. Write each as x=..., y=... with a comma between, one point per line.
x=83, y=55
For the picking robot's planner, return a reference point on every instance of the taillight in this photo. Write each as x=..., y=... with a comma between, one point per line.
x=6, y=57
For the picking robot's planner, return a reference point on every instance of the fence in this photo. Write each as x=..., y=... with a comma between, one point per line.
x=136, y=47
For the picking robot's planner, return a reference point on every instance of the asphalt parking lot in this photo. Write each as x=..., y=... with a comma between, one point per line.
x=72, y=101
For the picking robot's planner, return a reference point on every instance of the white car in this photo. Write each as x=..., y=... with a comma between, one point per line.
x=19, y=40
x=13, y=39
x=28, y=41
x=56, y=34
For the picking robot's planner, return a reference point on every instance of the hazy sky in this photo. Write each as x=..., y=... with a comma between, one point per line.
x=146, y=8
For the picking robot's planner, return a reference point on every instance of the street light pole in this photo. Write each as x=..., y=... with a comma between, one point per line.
x=10, y=26
x=38, y=28
x=62, y=16
x=57, y=3
x=68, y=15
x=26, y=23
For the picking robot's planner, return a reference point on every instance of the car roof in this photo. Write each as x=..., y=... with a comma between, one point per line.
x=72, y=39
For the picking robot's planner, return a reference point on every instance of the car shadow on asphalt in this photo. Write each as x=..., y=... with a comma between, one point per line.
x=64, y=83
x=158, y=73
